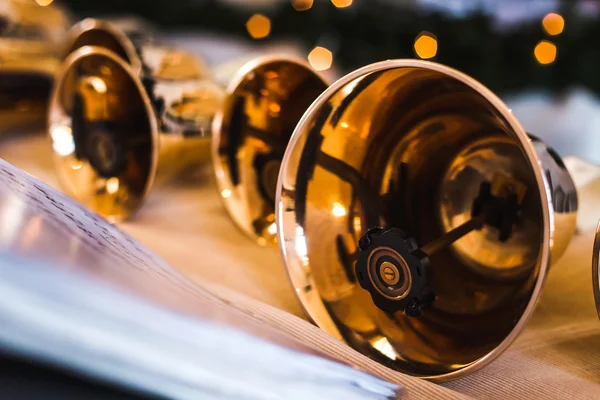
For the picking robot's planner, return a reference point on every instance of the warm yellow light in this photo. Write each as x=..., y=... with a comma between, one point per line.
x=44, y=3
x=320, y=58
x=302, y=5
x=98, y=84
x=272, y=228
x=258, y=26
x=342, y=3
x=274, y=108
x=384, y=346
x=545, y=52
x=76, y=164
x=112, y=185
x=357, y=224
x=344, y=125
x=553, y=24
x=426, y=45
x=338, y=210
x=226, y=193
x=62, y=140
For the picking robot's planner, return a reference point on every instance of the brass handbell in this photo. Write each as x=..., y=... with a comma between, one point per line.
x=115, y=131
x=30, y=44
x=417, y=220
x=126, y=37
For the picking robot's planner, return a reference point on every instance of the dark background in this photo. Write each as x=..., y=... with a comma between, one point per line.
x=491, y=40
x=473, y=36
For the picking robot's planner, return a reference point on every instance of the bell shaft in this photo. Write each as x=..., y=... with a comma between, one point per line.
x=184, y=110
x=452, y=236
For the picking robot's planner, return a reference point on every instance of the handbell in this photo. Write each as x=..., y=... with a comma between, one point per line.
x=416, y=218
x=127, y=38
x=115, y=131
x=30, y=42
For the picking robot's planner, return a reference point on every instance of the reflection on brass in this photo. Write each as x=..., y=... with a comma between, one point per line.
x=423, y=159
x=113, y=128
x=30, y=42
x=133, y=41
x=595, y=267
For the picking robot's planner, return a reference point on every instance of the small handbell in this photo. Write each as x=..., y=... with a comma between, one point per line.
x=417, y=220
x=117, y=127
x=31, y=37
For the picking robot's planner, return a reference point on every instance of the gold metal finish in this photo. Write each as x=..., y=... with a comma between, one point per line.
x=387, y=277
x=146, y=57
x=389, y=273
x=29, y=58
x=407, y=144
x=101, y=33
x=265, y=101
x=595, y=267
x=157, y=125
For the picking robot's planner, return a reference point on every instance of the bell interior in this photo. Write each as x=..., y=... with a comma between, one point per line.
x=101, y=37
x=103, y=139
x=258, y=118
x=409, y=148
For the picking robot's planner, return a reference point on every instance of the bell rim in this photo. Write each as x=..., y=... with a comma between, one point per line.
x=88, y=24
x=314, y=307
x=217, y=124
x=595, y=269
x=54, y=107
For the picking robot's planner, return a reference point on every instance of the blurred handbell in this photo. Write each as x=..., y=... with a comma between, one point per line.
x=30, y=45
x=418, y=220
x=116, y=130
x=126, y=37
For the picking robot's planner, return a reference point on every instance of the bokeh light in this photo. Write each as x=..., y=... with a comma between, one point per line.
x=258, y=26
x=338, y=210
x=302, y=5
x=426, y=45
x=553, y=24
x=320, y=58
x=44, y=3
x=112, y=185
x=545, y=52
x=342, y=3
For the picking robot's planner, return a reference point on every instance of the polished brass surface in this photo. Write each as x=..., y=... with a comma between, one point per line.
x=265, y=101
x=101, y=33
x=595, y=267
x=163, y=120
x=97, y=90
x=407, y=144
x=29, y=57
x=146, y=57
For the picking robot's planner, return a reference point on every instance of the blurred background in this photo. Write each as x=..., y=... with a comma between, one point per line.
x=541, y=56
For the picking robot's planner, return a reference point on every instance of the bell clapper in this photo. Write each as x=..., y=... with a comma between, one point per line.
x=396, y=271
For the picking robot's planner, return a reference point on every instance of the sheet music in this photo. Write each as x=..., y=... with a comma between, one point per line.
x=149, y=326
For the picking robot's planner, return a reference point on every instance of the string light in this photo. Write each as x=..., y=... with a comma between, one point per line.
x=302, y=5
x=545, y=52
x=320, y=58
x=553, y=24
x=426, y=45
x=342, y=3
x=258, y=26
